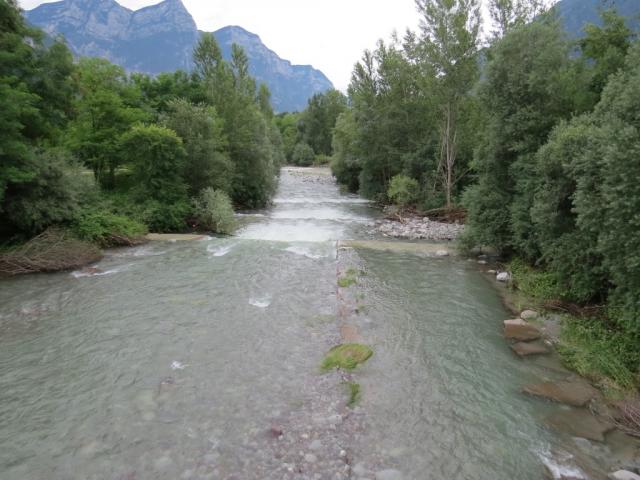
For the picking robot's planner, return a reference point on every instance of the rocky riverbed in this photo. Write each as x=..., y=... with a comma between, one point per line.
x=418, y=228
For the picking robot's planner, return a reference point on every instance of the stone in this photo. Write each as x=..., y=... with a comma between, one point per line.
x=315, y=445
x=524, y=349
x=580, y=423
x=442, y=253
x=276, y=431
x=624, y=475
x=518, y=329
x=491, y=272
x=503, y=276
x=310, y=458
x=529, y=315
x=389, y=474
x=574, y=393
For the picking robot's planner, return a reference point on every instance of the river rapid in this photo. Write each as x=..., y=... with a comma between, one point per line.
x=181, y=360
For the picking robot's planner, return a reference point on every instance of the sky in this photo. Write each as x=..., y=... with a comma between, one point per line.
x=331, y=35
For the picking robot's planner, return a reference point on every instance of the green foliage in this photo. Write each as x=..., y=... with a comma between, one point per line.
x=319, y=118
x=344, y=163
x=346, y=356
x=322, y=160
x=303, y=155
x=403, y=190
x=207, y=162
x=107, y=229
x=347, y=281
x=52, y=195
x=600, y=353
x=164, y=217
x=214, y=211
x=537, y=284
x=158, y=159
x=287, y=124
x=107, y=107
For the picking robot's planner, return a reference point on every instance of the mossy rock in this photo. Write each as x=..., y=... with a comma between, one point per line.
x=346, y=282
x=346, y=356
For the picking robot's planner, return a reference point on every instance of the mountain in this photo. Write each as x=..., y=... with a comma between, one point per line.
x=161, y=38
x=576, y=13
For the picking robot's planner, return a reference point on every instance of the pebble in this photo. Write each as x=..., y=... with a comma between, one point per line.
x=310, y=458
x=315, y=445
x=419, y=228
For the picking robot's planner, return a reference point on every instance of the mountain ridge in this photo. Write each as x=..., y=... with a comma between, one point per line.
x=161, y=37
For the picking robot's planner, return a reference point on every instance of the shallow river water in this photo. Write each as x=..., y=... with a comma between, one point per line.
x=177, y=360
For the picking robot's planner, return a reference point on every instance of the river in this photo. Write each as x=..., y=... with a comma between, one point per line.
x=201, y=360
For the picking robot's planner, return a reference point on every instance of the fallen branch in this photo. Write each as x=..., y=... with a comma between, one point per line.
x=51, y=251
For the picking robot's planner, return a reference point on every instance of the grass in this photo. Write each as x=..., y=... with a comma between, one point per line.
x=591, y=346
x=346, y=282
x=346, y=356
x=599, y=353
x=354, y=391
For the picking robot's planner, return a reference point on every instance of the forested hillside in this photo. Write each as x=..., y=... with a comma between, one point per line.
x=536, y=136
x=108, y=155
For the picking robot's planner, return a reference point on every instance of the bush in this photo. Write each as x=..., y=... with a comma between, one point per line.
x=303, y=155
x=214, y=211
x=52, y=195
x=165, y=217
x=107, y=230
x=322, y=160
x=403, y=190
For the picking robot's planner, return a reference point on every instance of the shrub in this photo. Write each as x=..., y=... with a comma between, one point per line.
x=403, y=190
x=303, y=155
x=214, y=211
x=163, y=217
x=107, y=229
x=52, y=195
x=322, y=160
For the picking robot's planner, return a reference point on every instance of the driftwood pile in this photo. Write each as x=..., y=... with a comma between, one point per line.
x=51, y=251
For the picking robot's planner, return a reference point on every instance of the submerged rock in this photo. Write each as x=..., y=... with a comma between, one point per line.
x=518, y=329
x=580, y=423
x=525, y=349
x=624, y=475
x=574, y=393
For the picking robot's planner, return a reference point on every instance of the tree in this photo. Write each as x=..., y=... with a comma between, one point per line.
x=107, y=106
x=303, y=155
x=510, y=14
x=319, y=118
x=158, y=158
x=207, y=161
x=528, y=87
x=450, y=32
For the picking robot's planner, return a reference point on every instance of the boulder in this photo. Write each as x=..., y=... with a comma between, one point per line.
x=518, y=329
x=442, y=253
x=574, y=393
x=503, y=276
x=623, y=475
x=529, y=315
x=525, y=349
x=580, y=423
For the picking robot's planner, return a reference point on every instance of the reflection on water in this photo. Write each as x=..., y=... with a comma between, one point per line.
x=176, y=364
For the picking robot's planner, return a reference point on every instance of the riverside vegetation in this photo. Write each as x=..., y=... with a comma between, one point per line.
x=103, y=156
x=536, y=136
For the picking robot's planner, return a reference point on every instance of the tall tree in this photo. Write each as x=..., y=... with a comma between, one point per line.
x=509, y=14
x=450, y=34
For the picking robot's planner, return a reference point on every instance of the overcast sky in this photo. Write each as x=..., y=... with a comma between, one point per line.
x=330, y=35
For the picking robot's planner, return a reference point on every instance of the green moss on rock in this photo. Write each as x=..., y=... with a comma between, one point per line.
x=346, y=356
